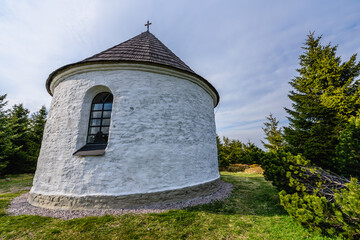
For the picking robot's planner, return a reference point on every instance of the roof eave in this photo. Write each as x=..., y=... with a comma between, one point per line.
x=69, y=66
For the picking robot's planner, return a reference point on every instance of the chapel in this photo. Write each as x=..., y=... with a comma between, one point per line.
x=127, y=127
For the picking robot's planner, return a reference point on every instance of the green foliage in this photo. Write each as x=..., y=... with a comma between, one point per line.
x=7, y=136
x=325, y=95
x=234, y=151
x=251, y=154
x=20, y=138
x=311, y=211
x=5, y=143
x=277, y=166
x=222, y=154
x=273, y=134
x=20, y=161
x=314, y=211
x=326, y=98
x=348, y=149
x=318, y=200
x=347, y=209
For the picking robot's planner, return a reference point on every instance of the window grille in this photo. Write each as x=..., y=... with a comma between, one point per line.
x=99, y=122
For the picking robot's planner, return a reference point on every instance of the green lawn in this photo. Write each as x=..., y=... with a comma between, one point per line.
x=251, y=212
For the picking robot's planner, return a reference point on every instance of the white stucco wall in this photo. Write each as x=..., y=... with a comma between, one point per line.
x=162, y=136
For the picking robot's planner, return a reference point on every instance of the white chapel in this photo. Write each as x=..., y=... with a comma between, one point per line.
x=130, y=126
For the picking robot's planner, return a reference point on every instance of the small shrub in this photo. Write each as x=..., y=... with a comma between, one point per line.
x=314, y=211
x=236, y=152
x=237, y=167
x=317, y=199
x=348, y=209
x=277, y=166
x=254, y=168
x=254, y=165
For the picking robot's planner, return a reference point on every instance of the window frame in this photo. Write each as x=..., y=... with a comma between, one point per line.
x=97, y=147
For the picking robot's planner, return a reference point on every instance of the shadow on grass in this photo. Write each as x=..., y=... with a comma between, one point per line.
x=251, y=195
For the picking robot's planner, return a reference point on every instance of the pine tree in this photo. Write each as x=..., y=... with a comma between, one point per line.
x=324, y=97
x=222, y=160
x=273, y=134
x=5, y=143
x=19, y=161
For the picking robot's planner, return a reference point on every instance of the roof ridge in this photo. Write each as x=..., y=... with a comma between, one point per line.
x=143, y=47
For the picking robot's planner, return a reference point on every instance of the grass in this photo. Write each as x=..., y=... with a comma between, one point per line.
x=251, y=212
x=15, y=183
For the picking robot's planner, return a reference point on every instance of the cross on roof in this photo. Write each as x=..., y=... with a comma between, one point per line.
x=147, y=25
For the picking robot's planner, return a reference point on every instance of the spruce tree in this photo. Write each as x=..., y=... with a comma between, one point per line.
x=273, y=134
x=348, y=149
x=20, y=161
x=5, y=142
x=324, y=97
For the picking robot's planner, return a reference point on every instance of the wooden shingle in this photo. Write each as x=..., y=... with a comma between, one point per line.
x=144, y=47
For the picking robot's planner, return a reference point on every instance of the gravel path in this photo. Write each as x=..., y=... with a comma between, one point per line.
x=19, y=206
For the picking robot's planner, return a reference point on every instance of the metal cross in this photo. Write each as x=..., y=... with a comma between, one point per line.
x=147, y=25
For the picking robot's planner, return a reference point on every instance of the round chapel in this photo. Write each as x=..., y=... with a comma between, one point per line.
x=130, y=126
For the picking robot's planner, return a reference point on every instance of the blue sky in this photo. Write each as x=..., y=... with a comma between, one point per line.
x=247, y=49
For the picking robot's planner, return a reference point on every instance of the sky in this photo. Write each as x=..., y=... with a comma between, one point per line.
x=248, y=50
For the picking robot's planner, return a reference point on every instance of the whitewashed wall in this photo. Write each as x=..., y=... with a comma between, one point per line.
x=162, y=136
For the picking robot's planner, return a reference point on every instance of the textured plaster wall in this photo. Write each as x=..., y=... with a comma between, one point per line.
x=162, y=136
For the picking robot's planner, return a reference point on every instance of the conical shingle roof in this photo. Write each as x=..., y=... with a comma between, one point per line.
x=143, y=48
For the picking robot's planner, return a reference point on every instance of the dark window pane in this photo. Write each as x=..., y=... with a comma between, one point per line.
x=94, y=130
x=97, y=106
x=99, y=138
x=106, y=114
x=96, y=114
x=95, y=122
x=108, y=106
x=91, y=139
x=105, y=130
x=105, y=138
x=105, y=122
x=98, y=99
x=101, y=97
x=109, y=98
x=100, y=118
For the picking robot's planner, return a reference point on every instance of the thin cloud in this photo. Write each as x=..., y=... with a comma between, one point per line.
x=247, y=49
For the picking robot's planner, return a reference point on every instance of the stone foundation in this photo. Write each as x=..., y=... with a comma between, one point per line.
x=123, y=201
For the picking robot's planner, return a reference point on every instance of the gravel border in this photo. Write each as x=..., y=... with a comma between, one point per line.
x=20, y=206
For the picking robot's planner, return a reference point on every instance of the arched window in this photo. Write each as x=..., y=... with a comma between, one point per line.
x=99, y=123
